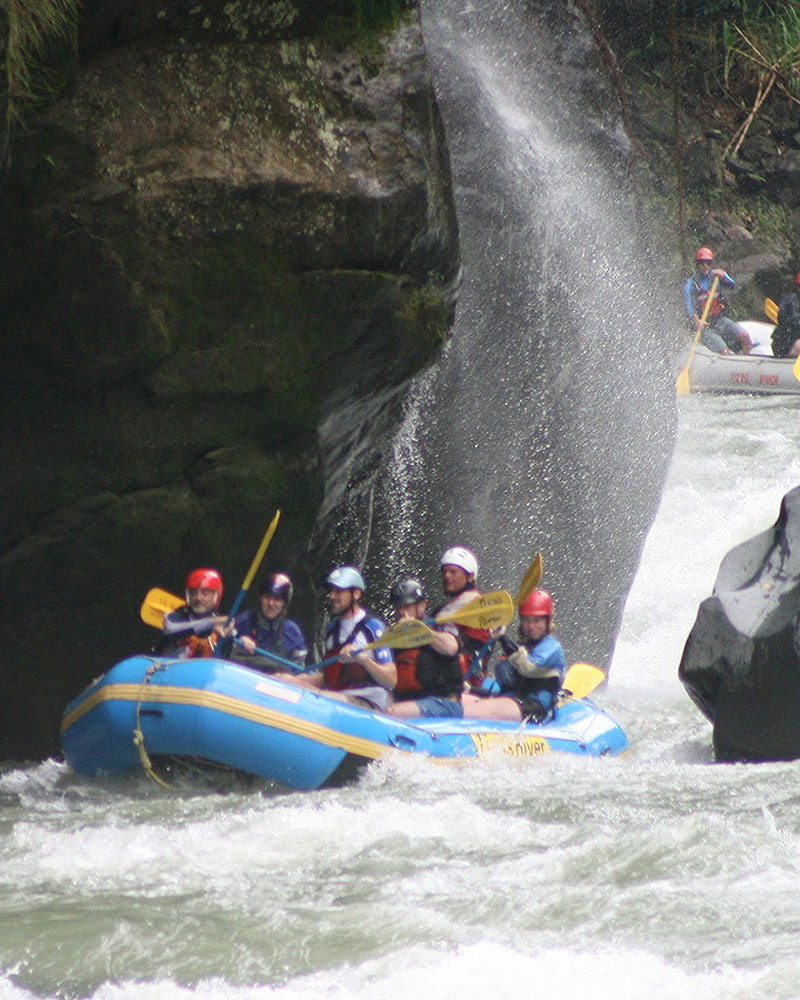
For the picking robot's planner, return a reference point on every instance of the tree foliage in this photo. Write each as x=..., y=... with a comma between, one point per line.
x=32, y=33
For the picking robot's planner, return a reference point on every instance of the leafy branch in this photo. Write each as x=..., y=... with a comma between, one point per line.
x=29, y=28
x=765, y=51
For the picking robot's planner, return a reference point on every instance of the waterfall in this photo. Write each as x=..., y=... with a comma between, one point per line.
x=548, y=421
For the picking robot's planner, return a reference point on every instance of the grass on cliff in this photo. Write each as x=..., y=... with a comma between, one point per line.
x=368, y=23
x=39, y=53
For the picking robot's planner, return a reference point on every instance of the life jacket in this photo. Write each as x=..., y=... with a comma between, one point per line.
x=472, y=640
x=189, y=645
x=718, y=303
x=343, y=676
x=268, y=634
x=424, y=671
x=197, y=646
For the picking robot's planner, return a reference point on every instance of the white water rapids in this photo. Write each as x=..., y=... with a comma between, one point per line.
x=661, y=875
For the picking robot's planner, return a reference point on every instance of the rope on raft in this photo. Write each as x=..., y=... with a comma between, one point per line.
x=138, y=735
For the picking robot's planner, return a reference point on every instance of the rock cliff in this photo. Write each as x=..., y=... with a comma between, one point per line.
x=236, y=217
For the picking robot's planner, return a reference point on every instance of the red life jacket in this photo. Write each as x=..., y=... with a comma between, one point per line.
x=718, y=303
x=198, y=646
x=342, y=676
x=408, y=685
x=423, y=671
x=472, y=639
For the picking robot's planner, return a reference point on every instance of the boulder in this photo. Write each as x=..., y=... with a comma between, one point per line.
x=741, y=662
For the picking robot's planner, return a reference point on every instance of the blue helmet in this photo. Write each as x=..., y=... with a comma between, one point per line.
x=346, y=578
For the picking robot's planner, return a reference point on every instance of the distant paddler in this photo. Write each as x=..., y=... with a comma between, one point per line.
x=786, y=335
x=717, y=332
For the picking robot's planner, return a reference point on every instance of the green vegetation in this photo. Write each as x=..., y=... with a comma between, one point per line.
x=369, y=21
x=722, y=80
x=38, y=55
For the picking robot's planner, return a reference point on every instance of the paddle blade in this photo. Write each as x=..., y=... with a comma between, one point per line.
x=156, y=604
x=408, y=633
x=771, y=309
x=796, y=369
x=682, y=387
x=582, y=679
x=531, y=580
x=487, y=611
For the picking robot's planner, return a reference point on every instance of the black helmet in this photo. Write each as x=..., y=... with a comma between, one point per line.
x=278, y=584
x=406, y=592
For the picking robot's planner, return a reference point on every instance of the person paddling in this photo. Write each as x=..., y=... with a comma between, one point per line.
x=361, y=677
x=194, y=629
x=786, y=335
x=269, y=629
x=459, y=571
x=429, y=678
x=529, y=676
x=719, y=334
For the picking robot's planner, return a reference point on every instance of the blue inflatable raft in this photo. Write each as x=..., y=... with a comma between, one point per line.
x=211, y=710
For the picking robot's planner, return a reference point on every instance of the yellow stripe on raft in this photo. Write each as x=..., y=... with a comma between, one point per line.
x=514, y=744
x=170, y=695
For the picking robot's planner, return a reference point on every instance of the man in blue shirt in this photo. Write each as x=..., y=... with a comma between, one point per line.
x=267, y=628
x=719, y=333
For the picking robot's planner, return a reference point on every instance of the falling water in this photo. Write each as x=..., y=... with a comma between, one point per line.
x=548, y=422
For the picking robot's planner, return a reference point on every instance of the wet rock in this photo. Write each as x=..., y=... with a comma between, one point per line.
x=237, y=217
x=741, y=663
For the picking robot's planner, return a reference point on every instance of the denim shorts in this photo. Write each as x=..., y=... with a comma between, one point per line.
x=432, y=707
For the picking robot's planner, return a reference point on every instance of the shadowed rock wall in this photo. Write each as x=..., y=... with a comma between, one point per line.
x=233, y=220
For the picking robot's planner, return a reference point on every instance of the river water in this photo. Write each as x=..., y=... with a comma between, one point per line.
x=662, y=875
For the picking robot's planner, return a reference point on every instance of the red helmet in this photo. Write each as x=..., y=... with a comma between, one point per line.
x=538, y=602
x=205, y=579
x=797, y=279
x=704, y=253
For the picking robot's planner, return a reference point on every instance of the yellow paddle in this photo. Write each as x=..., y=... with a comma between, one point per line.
x=273, y=524
x=581, y=679
x=408, y=633
x=771, y=309
x=531, y=580
x=487, y=611
x=682, y=386
x=158, y=603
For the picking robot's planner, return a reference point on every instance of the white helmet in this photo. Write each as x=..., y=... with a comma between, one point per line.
x=461, y=557
x=346, y=578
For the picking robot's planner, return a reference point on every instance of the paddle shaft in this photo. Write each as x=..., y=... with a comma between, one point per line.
x=682, y=383
x=291, y=665
x=273, y=524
